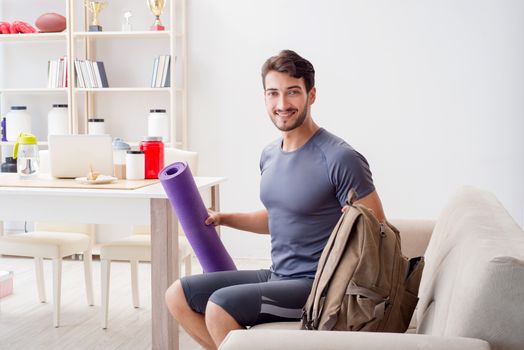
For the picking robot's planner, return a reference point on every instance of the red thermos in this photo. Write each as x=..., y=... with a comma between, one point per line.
x=153, y=148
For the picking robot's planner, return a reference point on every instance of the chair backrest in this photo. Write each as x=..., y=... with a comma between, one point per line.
x=60, y=227
x=172, y=155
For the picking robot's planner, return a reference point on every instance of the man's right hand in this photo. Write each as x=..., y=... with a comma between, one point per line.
x=213, y=218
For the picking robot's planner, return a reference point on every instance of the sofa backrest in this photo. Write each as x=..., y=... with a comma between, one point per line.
x=473, y=281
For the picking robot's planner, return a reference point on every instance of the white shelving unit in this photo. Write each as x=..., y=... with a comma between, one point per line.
x=10, y=41
x=84, y=46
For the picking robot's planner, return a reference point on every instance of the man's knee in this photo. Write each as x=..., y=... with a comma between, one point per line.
x=215, y=314
x=176, y=299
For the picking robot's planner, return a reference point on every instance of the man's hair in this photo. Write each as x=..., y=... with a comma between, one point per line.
x=293, y=64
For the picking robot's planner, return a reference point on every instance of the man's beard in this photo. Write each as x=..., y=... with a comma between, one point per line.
x=298, y=122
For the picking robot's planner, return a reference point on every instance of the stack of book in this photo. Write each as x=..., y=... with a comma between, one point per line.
x=57, y=73
x=90, y=74
x=161, y=72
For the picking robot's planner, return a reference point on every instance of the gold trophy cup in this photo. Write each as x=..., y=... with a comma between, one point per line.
x=157, y=6
x=95, y=6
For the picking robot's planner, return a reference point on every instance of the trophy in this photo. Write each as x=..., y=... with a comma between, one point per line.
x=157, y=6
x=95, y=6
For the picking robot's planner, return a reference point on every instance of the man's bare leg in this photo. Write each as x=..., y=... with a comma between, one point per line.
x=193, y=322
x=219, y=323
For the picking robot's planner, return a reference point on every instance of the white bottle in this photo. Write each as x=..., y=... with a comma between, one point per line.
x=17, y=121
x=58, y=120
x=135, y=165
x=96, y=126
x=158, y=124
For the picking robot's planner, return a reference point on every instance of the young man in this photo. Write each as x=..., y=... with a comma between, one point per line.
x=305, y=178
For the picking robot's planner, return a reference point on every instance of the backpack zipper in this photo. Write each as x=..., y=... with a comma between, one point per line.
x=382, y=235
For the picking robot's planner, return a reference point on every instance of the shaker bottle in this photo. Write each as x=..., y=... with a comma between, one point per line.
x=120, y=149
x=153, y=148
x=26, y=155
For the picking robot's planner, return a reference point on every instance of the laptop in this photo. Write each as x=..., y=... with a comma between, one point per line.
x=72, y=156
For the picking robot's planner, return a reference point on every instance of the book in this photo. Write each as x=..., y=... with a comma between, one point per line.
x=97, y=75
x=166, y=73
x=102, y=72
x=80, y=82
x=160, y=71
x=155, y=69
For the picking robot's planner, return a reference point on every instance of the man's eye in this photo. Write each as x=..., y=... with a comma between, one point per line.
x=272, y=94
x=294, y=92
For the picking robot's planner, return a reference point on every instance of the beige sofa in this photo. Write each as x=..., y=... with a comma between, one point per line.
x=471, y=293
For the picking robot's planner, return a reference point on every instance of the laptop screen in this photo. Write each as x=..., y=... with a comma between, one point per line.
x=73, y=156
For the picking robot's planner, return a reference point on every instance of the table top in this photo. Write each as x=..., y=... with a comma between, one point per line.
x=152, y=191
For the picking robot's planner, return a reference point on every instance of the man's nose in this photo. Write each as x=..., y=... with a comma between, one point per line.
x=282, y=102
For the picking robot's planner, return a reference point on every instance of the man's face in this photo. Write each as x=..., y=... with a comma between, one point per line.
x=287, y=102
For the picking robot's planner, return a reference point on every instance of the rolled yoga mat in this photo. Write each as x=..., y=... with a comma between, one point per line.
x=183, y=194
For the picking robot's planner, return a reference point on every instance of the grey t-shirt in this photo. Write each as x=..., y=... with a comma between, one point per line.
x=303, y=192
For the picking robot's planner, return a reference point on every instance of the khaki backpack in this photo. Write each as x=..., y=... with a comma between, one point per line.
x=363, y=282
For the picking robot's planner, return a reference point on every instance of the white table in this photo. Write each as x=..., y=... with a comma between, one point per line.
x=146, y=205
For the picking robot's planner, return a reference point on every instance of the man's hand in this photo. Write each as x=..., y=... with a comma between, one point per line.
x=213, y=218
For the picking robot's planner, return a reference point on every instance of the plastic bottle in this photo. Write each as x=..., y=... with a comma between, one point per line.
x=158, y=124
x=153, y=148
x=17, y=121
x=58, y=120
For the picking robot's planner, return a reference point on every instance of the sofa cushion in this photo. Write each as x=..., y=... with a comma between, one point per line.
x=338, y=340
x=473, y=282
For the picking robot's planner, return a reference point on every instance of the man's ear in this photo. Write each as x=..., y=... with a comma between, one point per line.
x=312, y=95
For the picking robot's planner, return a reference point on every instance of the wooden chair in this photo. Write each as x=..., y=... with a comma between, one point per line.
x=53, y=241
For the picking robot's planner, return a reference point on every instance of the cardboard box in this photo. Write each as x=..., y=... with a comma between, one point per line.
x=6, y=283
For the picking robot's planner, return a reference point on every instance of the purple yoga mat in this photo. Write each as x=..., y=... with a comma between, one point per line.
x=182, y=192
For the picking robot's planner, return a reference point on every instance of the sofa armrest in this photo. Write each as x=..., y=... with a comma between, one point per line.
x=266, y=339
x=414, y=235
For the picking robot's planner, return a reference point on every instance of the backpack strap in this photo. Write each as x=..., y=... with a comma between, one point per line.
x=352, y=194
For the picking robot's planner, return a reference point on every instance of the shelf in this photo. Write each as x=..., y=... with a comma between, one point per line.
x=115, y=34
x=122, y=89
x=35, y=91
x=33, y=37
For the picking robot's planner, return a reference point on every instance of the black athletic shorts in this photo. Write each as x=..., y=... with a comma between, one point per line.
x=250, y=297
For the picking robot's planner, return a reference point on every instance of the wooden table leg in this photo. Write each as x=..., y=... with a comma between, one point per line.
x=215, y=202
x=164, y=271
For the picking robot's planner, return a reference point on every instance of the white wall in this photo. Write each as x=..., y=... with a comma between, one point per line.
x=429, y=91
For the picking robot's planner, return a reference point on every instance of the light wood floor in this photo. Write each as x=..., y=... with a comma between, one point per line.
x=25, y=323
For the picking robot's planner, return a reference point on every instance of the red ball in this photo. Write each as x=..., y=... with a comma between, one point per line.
x=51, y=22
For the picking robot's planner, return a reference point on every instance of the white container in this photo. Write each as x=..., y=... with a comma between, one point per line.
x=158, y=124
x=96, y=126
x=58, y=120
x=17, y=121
x=135, y=165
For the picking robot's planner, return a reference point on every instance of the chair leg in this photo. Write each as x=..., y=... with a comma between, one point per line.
x=40, y=283
x=57, y=288
x=134, y=283
x=106, y=272
x=88, y=276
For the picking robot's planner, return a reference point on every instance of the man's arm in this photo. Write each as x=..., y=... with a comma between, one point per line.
x=372, y=201
x=256, y=222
